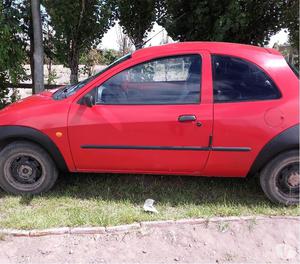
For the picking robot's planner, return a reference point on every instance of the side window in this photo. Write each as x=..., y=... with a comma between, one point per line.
x=239, y=80
x=169, y=80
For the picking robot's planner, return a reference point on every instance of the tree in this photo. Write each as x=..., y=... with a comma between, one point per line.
x=242, y=21
x=291, y=22
x=124, y=43
x=79, y=25
x=95, y=56
x=27, y=32
x=136, y=18
x=12, y=50
x=38, y=50
x=24, y=8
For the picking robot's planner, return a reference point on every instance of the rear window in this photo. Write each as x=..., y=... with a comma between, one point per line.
x=238, y=80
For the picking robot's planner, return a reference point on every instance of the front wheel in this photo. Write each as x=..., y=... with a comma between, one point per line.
x=26, y=168
x=280, y=179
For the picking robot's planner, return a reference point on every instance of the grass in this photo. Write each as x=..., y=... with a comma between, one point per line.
x=105, y=200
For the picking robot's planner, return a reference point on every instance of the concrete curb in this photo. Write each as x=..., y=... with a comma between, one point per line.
x=135, y=226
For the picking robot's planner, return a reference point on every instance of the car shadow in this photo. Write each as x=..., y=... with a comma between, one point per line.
x=171, y=190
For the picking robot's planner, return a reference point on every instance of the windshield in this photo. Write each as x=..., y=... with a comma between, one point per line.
x=69, y=90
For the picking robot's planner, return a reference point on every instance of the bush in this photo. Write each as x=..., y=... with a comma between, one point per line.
x=12, y=52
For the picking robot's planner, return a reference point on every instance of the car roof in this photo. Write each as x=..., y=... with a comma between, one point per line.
x=212, y=47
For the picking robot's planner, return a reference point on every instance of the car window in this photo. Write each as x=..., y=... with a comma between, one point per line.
x=238, y=80
x=169, y=80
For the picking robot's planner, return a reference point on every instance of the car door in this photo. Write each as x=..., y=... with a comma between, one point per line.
x=152, y=117
x=248, y=113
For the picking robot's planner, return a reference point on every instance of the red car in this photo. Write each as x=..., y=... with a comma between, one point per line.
x=194, y=108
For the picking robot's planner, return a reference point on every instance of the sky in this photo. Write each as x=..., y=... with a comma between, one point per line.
x=109, y=40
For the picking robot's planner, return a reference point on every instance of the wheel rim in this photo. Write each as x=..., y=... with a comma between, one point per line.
x=288, y=180
x=24, y=172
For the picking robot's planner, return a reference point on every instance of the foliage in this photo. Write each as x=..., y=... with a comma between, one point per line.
x=291, y=22
x=242, y=21
x=12, y=53
x=91, y=57
x=136, y=18
x=52, y=76
x=108, y=56
x=98, y=57
x=78, y=25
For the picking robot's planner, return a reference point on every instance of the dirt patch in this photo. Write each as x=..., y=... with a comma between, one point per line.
x=261, y=240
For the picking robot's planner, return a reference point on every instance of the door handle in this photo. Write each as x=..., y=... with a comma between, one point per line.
x=187, y=118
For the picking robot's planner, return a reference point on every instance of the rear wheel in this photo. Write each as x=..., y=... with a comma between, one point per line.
x=280, y=179
x=26, y=168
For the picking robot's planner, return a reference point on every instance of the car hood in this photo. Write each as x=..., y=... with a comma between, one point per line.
x=29, y=101
x=32, y=107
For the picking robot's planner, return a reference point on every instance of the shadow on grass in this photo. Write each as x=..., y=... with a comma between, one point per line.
x=170, y=190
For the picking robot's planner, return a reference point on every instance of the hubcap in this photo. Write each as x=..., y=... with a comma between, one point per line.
x=294, y=179
x=25, y=170
x=288, y=180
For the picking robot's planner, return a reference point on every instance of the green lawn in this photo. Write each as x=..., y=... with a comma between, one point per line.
x=102, y=200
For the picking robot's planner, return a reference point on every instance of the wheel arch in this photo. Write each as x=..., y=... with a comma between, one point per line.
x=285, y=141
x=9, y=134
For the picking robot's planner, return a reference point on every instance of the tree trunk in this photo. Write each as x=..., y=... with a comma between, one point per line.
x=31, y=52
x=73, y=62
x=74, y=74
x=74, y=67
x=38, y=55
x=74, y=52
x=49, y=67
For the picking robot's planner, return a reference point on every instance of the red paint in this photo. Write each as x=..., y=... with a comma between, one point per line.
x=240, y=124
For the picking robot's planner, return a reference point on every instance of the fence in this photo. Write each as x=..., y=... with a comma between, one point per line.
x=30, y=85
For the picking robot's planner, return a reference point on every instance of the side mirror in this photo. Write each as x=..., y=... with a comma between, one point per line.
x=88, y=100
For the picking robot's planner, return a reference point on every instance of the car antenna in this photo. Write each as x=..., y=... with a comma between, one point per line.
x=139, y=46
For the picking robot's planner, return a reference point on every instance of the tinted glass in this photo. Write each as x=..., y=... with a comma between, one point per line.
x=170, y=80
x=239, y=80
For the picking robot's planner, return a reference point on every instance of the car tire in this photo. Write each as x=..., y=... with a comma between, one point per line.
x=26, y=168
x=280, y=178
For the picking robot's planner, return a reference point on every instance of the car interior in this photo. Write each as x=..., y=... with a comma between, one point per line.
x=122, y=90
x=238, y=80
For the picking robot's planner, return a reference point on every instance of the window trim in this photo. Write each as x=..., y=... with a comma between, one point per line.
x=246, y=100
x=155, y=59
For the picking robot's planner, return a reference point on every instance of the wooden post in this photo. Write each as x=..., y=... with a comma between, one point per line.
x=38, y=54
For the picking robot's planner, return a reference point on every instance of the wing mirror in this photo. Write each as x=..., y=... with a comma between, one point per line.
x=88, y=100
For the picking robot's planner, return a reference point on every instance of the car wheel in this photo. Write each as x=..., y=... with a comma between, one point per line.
x=26, y=168
x=280, y=179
